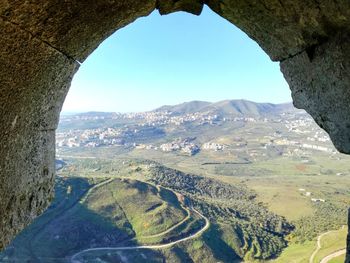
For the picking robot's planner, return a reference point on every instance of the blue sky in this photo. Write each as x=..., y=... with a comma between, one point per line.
x=171, y=59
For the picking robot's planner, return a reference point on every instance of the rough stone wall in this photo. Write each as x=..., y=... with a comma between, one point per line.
x=320, y=84
x=43, y=41
x=75, y=27
x=40, y=46
x=34, y=79
x=284, y=28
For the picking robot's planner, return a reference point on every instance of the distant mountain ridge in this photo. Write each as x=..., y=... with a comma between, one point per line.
x=229, y=107
x=185, y=107
x=221, y=108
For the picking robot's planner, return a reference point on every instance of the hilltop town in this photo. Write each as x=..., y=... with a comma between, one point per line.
x=295, y=133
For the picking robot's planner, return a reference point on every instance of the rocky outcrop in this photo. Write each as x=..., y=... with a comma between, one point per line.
x=43, y=42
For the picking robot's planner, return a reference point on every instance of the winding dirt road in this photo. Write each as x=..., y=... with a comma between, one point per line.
x=333, y=255
x=329, y=257
x=173, y=227
x=311, y=260
x=170, y=244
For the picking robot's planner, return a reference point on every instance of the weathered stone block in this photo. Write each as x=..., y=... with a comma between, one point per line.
x=34, y=80
x=320, y=82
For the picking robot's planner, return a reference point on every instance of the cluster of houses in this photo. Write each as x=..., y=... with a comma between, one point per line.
x=188, y=146
x=127, y=135
x=305, y=125
x=95, y=137
x=184, y=145
x=213, y=146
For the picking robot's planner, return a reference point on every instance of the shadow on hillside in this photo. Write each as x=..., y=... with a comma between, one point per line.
x=221, y=250
x=182, y=255
x=66, y=228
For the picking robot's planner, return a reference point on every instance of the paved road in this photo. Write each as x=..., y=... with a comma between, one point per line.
x=170, y=244
x=333, y=255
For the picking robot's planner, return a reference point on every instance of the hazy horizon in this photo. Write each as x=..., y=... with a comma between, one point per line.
x=167, y=60
x=77, y=112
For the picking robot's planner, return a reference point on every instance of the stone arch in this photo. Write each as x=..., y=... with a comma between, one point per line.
x=43, y=42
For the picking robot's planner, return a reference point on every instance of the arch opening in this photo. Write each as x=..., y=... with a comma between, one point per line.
x=259, y=187
x=41, y=48
x=170, y=56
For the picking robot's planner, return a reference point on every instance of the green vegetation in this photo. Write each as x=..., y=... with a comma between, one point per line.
x=259, y=232
x=333, y=241
x=159, y=209
x=23, y=247
x=326, y=217
x=269, y=190
x=297, y=252
x=340, y=259
x=219, y=198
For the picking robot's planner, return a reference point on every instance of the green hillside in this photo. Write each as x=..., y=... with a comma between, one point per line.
x=195, y=182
